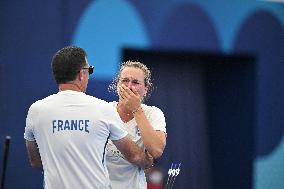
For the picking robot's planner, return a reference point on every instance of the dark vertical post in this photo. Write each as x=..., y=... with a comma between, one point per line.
x=5, y=160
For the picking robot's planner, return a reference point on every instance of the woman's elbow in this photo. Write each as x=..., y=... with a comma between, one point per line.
x=157, y=153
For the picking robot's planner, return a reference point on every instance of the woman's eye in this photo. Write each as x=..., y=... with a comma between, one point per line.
x=125, y=81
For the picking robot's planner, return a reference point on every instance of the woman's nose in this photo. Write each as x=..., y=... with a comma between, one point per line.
x=129, y=84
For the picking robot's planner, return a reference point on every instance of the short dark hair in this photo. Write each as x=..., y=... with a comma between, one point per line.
x=67, y=62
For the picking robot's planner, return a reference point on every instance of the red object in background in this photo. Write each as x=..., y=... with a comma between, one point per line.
x=155, y=178
x=154, y=186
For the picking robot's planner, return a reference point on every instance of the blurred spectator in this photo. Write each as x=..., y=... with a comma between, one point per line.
x=155, y=178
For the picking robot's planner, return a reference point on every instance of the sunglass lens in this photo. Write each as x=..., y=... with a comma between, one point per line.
x=91, y=70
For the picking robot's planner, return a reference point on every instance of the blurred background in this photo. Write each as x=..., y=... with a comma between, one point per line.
x=217, y=68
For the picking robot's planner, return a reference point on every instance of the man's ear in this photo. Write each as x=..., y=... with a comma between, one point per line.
x=80, y=75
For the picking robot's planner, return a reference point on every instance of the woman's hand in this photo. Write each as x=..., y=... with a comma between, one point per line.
x=129, y=97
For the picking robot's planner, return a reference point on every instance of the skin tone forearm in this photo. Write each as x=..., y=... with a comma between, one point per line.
x=153, y=140
x=33, y=154
x=133, y=153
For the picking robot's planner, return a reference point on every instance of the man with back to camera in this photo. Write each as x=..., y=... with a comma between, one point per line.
x=66, y=133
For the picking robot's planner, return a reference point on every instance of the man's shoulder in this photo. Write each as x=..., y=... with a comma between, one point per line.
x=39, y=102
x=113, y=103
x=37, y=105
x=96, y=101
x=102, y=105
